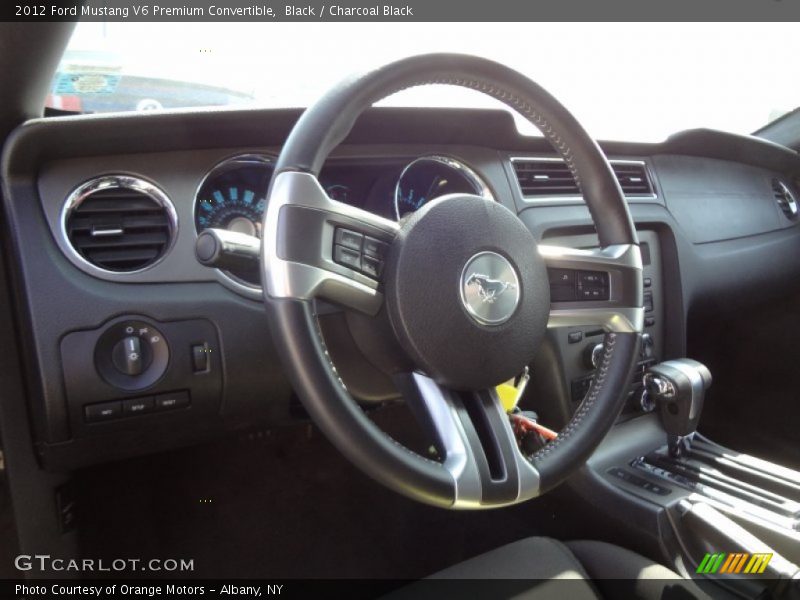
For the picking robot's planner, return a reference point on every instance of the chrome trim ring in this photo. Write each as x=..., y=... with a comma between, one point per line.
x=226, y=277
x=116, y=181
x=788, y=198
x=479, y=186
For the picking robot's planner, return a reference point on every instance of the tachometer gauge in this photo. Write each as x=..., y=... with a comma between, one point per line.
x=429, y=177
x=234, y=207
x=233, y=197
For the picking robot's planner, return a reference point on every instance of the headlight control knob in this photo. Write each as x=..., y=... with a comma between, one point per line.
x=131, y=355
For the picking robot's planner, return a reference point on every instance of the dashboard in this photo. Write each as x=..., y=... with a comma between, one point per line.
x=105, y=212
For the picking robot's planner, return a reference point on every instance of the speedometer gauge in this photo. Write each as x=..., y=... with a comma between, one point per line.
x=430, y=177
x=233, y=197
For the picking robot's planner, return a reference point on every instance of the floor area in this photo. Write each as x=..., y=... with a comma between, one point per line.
x=286, y=504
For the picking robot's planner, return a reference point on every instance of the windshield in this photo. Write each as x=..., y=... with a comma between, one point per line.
x=628, y=81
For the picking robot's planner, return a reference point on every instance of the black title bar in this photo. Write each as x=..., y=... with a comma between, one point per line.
x=410, y=10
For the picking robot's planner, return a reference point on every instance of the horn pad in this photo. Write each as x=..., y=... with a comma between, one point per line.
x=467, y=292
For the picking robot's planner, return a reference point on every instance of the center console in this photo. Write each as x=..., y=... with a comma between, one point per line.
x=728, y=516
x=712, y=513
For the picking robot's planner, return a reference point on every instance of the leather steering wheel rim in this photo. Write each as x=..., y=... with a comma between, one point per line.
x=298, y=339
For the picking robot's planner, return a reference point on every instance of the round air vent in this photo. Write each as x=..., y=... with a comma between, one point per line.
x=119, y=224
x=785, y=198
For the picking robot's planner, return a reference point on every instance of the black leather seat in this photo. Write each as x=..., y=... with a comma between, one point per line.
x=538, y=567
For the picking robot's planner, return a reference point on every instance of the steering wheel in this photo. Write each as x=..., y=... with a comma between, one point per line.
x=457, y=295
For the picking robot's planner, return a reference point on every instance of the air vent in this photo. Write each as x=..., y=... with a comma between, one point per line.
x=632, y=177
x=118, y=223
x=785, y=198
x=552, y=177
x=539, y=177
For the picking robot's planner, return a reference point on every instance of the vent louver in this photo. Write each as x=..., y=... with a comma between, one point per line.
x=119, y=223
x=785, y=198
x=552, y=177
x=632, y=178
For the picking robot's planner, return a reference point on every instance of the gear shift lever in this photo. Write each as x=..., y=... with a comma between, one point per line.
x=678, y=387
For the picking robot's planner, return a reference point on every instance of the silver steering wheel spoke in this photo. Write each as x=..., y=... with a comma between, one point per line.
x=600, y=287
x=317, y=247
x=474, y=438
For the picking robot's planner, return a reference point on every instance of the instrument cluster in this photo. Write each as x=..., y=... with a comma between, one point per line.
x=233, y=194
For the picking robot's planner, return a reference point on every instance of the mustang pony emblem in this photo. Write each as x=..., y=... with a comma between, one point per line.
x=489, y=289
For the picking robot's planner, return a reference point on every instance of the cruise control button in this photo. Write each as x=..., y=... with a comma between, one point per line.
x=348, y=258
x=374, y=248
x=172, y=400
x=593, y=279
x=103, y=412
x=137, y=406
x=371, y=267
x=348, y=239
x=593, y=293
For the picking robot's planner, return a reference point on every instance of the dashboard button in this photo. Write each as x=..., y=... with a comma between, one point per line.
x=649, y=321
x=105, y=411
x=647, y=282
x=200, y=358
x=573, y=337
x=346, y=257
x=137, y=406
x=349, y=239
x=172, y=400
x=374, y=248
x=648, y=302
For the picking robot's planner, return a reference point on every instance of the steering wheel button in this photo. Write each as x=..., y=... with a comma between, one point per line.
x=593, y=279
x=561, y=277
x=593, y=293
x=374, y=248
x=371, y=267
x=137, y=406
x=349, y=239
x=347, y=257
